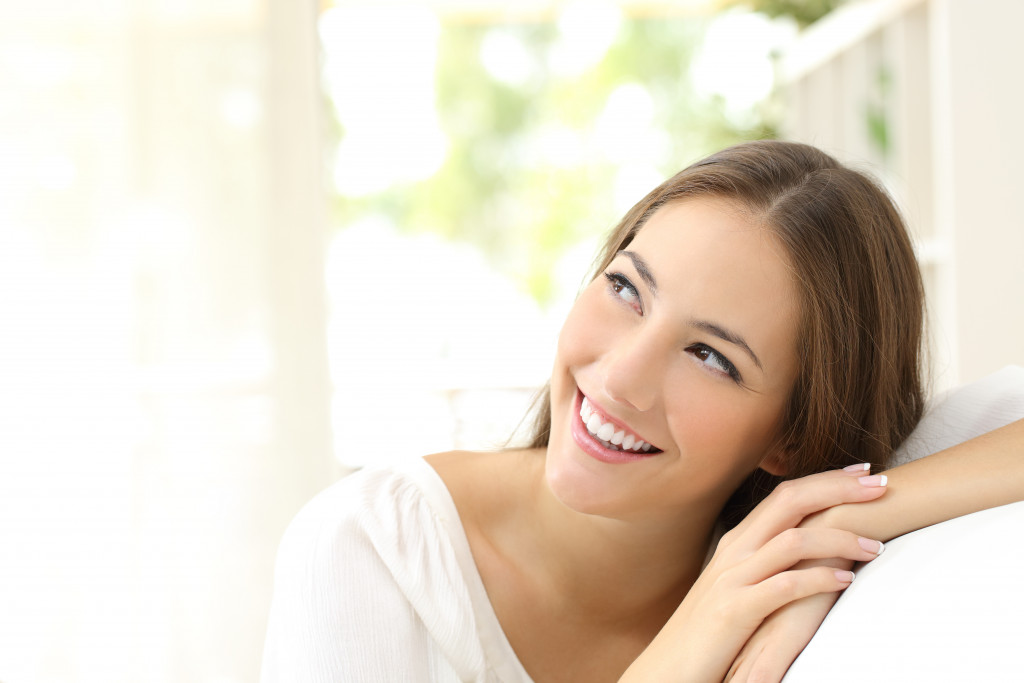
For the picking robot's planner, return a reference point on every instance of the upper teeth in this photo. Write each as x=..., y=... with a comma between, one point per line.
x=606, y=431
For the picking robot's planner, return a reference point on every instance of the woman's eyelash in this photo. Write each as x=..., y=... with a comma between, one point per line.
x=703, y=351
x=619, y=283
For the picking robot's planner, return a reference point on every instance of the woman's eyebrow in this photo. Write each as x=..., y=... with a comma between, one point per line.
x=642, y=270
x=728, y=336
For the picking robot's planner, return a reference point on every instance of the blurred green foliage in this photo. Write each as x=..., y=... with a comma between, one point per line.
x=499, y=189
x=805, y=12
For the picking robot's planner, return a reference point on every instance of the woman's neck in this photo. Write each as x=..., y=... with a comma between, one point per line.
x=611, y=566
x=578, y=596
x=590, y=566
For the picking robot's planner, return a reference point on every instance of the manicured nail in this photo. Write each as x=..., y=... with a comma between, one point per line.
x=844, y=576
x=874, y=480
x=859, y=467
x=871, y=546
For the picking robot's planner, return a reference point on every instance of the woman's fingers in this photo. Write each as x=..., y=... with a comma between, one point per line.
x=778, y=641
x=793, y=500
x=789, y=586
x=760, y=512
x=794, y=545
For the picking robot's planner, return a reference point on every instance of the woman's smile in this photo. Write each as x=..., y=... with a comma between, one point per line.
x=605, y=438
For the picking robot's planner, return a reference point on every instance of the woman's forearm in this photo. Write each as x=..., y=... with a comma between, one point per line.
x=982, y=473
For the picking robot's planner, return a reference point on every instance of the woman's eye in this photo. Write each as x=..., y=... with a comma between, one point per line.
x=714, y=360
x=624, y=289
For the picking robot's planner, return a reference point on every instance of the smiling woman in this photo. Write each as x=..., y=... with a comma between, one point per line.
x=647, y=347
x=754, y=319
x=844, y=276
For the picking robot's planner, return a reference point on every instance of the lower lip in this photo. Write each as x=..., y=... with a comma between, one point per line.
x=589, y=445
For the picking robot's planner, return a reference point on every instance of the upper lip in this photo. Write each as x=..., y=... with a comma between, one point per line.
x=605, y=417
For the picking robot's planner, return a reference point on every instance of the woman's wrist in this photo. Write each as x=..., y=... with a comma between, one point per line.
x=867, y=520
x=859, y=518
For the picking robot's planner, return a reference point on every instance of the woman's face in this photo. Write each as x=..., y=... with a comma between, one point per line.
x=687, y=341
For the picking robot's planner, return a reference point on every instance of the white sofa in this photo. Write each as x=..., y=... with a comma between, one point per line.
x=944, y=603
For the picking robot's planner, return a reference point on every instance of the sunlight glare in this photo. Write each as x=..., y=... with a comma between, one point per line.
x=241, y=108
x=506, y=59
x=56, y=172
x=379, y=72
x=407, y=342
x=626, y=131
x=735, y=60
x=587, y=30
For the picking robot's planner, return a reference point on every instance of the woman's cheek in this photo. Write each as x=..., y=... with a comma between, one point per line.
x=739, y=431
x=703, y=416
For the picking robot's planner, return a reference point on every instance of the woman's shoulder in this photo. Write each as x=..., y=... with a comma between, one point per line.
x=400, y=522
x=398, y=513
x=367, y=507
x=384, y=539
x=375, y=562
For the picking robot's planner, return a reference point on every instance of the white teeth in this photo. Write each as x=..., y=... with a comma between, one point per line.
x=605, y=431
x=585, y=410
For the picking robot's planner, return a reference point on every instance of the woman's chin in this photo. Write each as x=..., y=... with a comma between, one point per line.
x=580, y=486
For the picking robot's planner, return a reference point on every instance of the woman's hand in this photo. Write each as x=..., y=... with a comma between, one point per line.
x=754, y=572
x=779, y=640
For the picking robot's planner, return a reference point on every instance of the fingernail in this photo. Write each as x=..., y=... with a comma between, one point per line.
x=871, y=546
x=844, y=576
x=859, y=467
x=874, y=480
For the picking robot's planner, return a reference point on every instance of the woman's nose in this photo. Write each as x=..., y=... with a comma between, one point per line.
x=631, y=370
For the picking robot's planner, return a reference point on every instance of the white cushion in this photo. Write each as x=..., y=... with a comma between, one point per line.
x=967, y=412
x=944, y=603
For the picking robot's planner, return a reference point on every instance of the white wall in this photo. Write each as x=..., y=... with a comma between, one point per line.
x=164, y=393
x=978, y=58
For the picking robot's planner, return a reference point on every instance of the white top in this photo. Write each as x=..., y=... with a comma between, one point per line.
x=375, y=582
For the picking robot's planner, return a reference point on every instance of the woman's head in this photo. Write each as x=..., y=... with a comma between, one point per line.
x=857, y=392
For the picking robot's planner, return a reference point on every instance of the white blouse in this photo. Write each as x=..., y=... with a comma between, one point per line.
x=375, y=582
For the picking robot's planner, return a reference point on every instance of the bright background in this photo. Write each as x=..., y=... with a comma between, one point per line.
x=249, y=245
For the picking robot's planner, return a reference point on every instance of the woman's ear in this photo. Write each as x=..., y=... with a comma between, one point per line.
x=776, y=462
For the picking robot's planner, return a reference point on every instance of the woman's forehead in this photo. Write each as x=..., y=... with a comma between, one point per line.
x=709, y=225
x=710, y=259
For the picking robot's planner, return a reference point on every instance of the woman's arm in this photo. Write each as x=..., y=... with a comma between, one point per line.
x=985, y=472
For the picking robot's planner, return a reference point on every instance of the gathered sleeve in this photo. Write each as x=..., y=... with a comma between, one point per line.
x=367, y=589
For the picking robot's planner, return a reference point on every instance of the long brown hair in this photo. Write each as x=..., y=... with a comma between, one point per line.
x=859, y=390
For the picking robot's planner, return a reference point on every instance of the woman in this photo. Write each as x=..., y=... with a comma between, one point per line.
x=757, y=317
